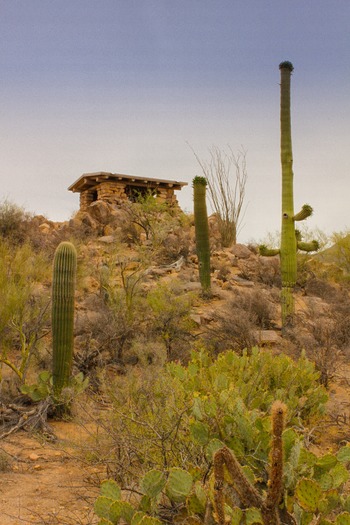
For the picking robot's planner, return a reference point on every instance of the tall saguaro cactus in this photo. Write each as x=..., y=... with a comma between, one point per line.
x=202, y=232
x=63, y=289
x=290, y=241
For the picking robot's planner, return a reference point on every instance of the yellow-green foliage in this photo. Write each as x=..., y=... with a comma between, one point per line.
x=12, y=222
x=179, y=416
x=341, y=250
x=301, y=485
x=23, y=304
x=171, y=316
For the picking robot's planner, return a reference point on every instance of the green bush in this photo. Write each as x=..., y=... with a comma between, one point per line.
x=173, y=428
x=179, y=416
x=13, y=220
x=170, y=318
x=23, y=306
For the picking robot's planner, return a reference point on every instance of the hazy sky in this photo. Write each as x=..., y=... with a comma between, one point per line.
x=123, y=85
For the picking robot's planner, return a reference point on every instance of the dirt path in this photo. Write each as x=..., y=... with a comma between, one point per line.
x=45, y=483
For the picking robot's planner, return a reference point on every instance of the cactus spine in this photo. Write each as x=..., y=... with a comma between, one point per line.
x=249, y=496
x=202, y=232
x=63, y=288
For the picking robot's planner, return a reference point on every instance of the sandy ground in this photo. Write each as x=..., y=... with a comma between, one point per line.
x=50, y=483
x=46, y=483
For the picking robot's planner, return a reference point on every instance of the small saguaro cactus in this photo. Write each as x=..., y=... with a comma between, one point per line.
x=63, y=289
x=290, y=242
x=202, y=232
x=247, y=493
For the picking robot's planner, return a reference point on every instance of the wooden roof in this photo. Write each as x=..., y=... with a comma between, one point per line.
x=89, y=180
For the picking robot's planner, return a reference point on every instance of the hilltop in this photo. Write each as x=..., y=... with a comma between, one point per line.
x=139, y=306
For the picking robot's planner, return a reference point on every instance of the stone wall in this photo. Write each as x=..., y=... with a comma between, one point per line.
x=113, y=192
x=86, y=198
x=167, y=195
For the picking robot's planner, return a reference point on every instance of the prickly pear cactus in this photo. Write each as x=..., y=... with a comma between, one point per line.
x=179, y=484
x=153, y=483
x=309, y=494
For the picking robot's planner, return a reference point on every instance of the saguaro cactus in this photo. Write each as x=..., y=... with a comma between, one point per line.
x=202, y=232
x=290, y=241
x=63, y=288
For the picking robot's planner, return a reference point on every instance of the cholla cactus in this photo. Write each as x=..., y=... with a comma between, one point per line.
x=247, y=493
x=63, y=288
x=289, y=236
x=202, y=232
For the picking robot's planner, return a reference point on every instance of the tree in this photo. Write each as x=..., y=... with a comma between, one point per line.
x=226, y=174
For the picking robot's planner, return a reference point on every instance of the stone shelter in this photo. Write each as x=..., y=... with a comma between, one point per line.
x=115, y=188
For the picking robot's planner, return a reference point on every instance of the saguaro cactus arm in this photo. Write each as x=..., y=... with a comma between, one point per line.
x=312, y=246
x=268, y=252
x=305, y=212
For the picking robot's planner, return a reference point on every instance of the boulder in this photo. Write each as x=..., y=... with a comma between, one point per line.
x=107, y=239
x=241, y=251
x=100, y=211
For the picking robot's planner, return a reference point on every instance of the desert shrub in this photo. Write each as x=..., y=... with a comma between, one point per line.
x=268, y=271
x=340, y=312
x=175, y=244
x=13, y=221
x=23, y=306
x=167, y=425
x=116, y=315
x=160, y=417
x=231, y=329
x=161, y=229
x=261, y=310
x=316, y=338
x=170, y=320
x=320, y=288
x=105, y=335
x=341, y=250
x=324, y=334
x=236, y=325
x=151, y=218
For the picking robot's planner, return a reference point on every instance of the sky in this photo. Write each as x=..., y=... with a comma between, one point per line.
x=125, y=86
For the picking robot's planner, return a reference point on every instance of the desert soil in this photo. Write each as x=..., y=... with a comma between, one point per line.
x=49, y=483
x=46, y=483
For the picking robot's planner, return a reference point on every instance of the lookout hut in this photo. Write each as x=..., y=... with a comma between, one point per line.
x=115, y=188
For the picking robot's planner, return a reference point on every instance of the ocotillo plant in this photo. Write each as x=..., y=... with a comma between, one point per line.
x=202, y=232
x=289, y=241
x=63, y=288
x=247, y=493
